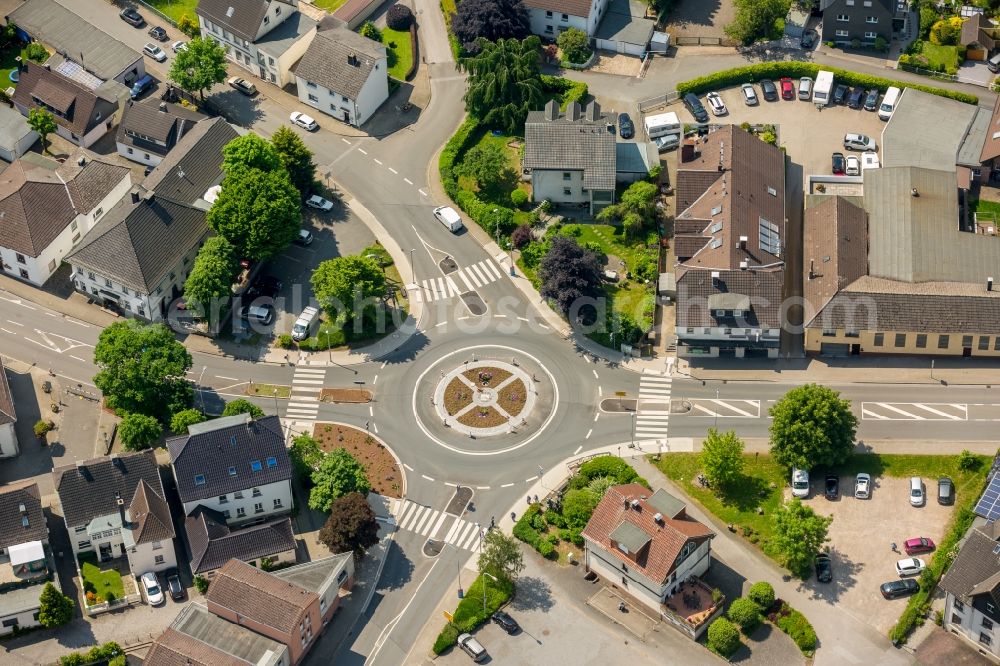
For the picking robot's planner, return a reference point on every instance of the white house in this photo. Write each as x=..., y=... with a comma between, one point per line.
x=235, y=465
x=343, y=74
x=550, y=17
x=265, y=37
x=972, y=587
x=8, y=417
x=47, y=208
x=115, y=507
x=151, y=128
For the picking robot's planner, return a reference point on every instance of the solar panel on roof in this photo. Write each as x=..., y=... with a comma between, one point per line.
x=988, y=505
x=74, y=71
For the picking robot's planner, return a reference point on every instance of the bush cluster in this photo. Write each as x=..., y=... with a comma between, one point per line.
x=399, y=17
x=762, y=594
x=775, y=70
x=798, y=628
x=470, y=614
x=745, y=613
x=108, y=652
x=723, y=637
x=567, y=89
x=524, y=530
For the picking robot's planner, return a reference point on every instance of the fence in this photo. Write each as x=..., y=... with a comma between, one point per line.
x=927, y=72
x=661, y=100
x=161, y=14
x=700, y=41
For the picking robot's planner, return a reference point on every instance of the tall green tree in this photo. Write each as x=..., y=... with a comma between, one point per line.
x=43, y=122
x=569, y=272
x=200, y=66
x=504, y=82
x=142, y=369
x=340, y=283
x=339, y=473
x=722, y=458
x=209, y=286
x=635, y=210
x=501, y=556
x=180, y=421
x=259, y=212
x=755, y=19
x=351, y=525
x=242, y=406
x=250, y=151
x=54, y=608
x=798, y=534
x=489, y=165
x=811, y=427
x=296, y=158
x=305, y=454
x=138, y=431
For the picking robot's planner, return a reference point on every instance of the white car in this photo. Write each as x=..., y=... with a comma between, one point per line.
x=917, y=495
x=859, y=142
x=716, y=104
x=853, y=166
x=154, y=52
x=863, y=486
x=749, y=94
x=800, y=482
x=910, y=566
x=305, y=122
x=319, y=203
x=179, y=46
x=154, y=595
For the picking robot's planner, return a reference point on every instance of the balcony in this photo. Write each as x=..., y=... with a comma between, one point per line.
x=691, y=606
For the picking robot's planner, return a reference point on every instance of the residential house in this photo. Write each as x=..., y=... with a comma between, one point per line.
x=196, y=637
x=972, y=590
x=549, y=18
x=343, y=74
x=194, y=166
x=82, y=115
x=213, y=543
x=47, y=208
x=978, y=36
x=265, y=37
x=24, y=534
x=8, y=418
x=235, y=465
x=355, y=12
x=151, y=128
x=624, y=28
x=16, y=138
x=865, y=21
x=729, y=243
x=988, y=158
x=114, y=506
x=645, y=543
x=571, y=156
x=81, y=49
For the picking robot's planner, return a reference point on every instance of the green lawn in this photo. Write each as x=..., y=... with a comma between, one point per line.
x=939, y=56
x=7, y=65
x=97, y=581
x=980, y=206
x=397, y=43
x=175, y=9
x=514, y=160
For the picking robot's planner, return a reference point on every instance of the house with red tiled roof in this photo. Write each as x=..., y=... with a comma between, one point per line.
x=645, y=544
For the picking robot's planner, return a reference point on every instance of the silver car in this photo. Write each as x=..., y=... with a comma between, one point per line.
x=863, y=486
x=472, y=647
x=805, y=88
x=749, y=94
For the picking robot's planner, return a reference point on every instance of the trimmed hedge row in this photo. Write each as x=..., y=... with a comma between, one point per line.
x=524, y=530
x=470, y=614
x=798, y=628
x=794, y=69
x=414, y=50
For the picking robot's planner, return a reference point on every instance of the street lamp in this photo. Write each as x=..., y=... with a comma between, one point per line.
x=484, y=587
x=275, y=394
x=413, y=269
x=329, y=350
x=496, y=223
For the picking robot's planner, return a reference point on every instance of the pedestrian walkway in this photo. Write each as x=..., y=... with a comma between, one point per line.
x=434, y=289
x=425, y=521
x=652, y=417
x=303, y=404
x=467, y=278
x=479, y=274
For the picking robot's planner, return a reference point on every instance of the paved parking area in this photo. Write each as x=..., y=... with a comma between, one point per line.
x=862, y=558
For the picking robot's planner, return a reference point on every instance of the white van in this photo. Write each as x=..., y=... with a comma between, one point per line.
x=447, y=216
x=662, y=124
x=823, y=88
x=303, y=325
x=889, y=103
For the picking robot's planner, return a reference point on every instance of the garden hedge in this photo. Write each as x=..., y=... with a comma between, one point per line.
x=794, y=69
x=524, y=530
x=567, y=89
x=470, y=614
x=798, y=628
x=414, y=51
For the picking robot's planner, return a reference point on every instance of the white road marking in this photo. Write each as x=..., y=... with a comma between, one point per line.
x=579, y=447
x=523, y=318
x=377, y=161
x=449, y=483
x=507, y=485
x=916, y=417
x=482, y=487
x=595, y=375
x=362, y=151
x=597, y=416
x=375, y=428
x=393, y=170
x=232, y=379
x=438, y=525
x=371, y=410
x=374, y=380
x=408, y=468
x=531, y=479
x=16, y=323
x=8, y=332
x=873, y=415
x=79, y=359
x=384, y=363
x=600, y=390
x=408, y=181
x=345, y=141
x=427, y=477
x=78, y=323
x=422, y=192
x=738, y=411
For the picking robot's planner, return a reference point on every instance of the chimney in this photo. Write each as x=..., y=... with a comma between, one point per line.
x=658, y=518
x=743, y=242
x=48, y=67
x=81, y=161
x=744, y=265
x=914, y=193
x=716, y=278
x=353, y=61
x=163, y=107
x=593, y=112
x=812, y=269
x=635, y=505
x=135, y=197
x=989, y=284
x=573, y=112
x=121, y=509
x=551, y=110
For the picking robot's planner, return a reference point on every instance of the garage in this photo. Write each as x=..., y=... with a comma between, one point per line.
x=625, y=29
x=834, y=349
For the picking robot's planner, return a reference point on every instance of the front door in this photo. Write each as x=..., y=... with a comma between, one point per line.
x=347, y=116
x=105, y=552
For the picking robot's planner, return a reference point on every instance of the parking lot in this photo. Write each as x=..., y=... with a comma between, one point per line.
x=809, y=134
x=862, y=557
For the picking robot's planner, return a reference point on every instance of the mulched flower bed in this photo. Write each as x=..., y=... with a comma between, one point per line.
x=351, y=395
x=512, y=397
x=457, y=396
x=482, y=417
x=380, y=466
x=486, y=377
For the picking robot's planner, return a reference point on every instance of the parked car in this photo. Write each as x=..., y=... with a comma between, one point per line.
x=174, y=584
x=179, y=45
x=831, y=486
x=917, y=497
x=132, y=17
x=899, y=588
x=151, y=586
x=667, y=142
x=805, y=88
x=472, y=647
x=838, y=164
x=244, y=86
x=694, y=105
x=910, y=566
x=809, y=38
x=304, y=238
x=840, y=94
x=859, y=142
x=259, y=313
x=626, y=128
x=946, y=491
x=800, y=482
x=749, y=94
x=716, y=104
x=918, y=545
x=855, y=98
x=158, y=33
x=304, y=121
x=863, y=486
x=787, y=88
x=142, y=84
x=824, y=568
x=266, y=285
x=769, y=89
x=871, y=100
x=853, y=166
x=319, y=203
x=154, y=52
x=506, y=622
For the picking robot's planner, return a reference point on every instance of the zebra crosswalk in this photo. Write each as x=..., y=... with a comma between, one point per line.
x=653, y=422
x=303, y=403
x=428, y=522
x=467, y=278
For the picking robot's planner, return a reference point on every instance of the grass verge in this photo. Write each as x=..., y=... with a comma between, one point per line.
x=269, y=390
x=470, y=614
x=175, y=9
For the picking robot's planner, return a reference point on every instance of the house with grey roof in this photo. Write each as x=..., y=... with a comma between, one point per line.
x=16, y=138
x=213, y=543
x=77, y=42
x=198, y=637
x=972, y=590
x=571, y=156
x=150, y=129
x=24, y=534
x=194, y=166
x=846, y=22
x=235, y=465
x=114, y=506
x=47, y=208
x=343, y=74
x=8, y=417
x=264, y=37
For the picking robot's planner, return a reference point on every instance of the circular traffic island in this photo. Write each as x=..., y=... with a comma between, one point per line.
x=484, y=398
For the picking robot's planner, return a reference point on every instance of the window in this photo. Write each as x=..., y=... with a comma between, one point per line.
x=310, y=84
x=624, y=581
x=21, y=259
x=199, y=480
x=158, y=559
x=921, y=340
x=987, y=623
x=107, y=282
x=238, y=494
x=567, y=191
x=157, y=545
x=76, y=237
x=241, y=512
x=955, y=619
x=270, y=61
x=996, y=343
x=984, y=342
x=943, y=342
x=12, y=622
x=966, y=340
x=343, y=98
x=266, y=20
x=83, y=544
x=871, y=35
x=226, y=513
x=232, y=471
x=842, y=33
x=868, y=3
x=255, y=466
x=879, y=339
x=829, y=332
x=871, y=19
x=984, y=638
x=273, y=462
x=313, y=98
x=959, y=606
x=843, y=18
x=851, y=334
x=256, y=492
x=258, y=508
x=91, y=276
x=223, y=499
x=341, y=577
x=566, y=175
x=80, y=528
x=565, y=17
x=901, y=339
x=990, y=608
x=277, y=503
x=548, y=14
x=548, y=29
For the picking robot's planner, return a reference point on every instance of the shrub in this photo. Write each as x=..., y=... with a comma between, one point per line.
x=567, y=90
x=399, y=17
x=35, y=52
x=795, y=624
x=967, y=461
x=519, y=197
x=284, y=341
x=762, y=594
x=369, y=30
x=723, y=637
x=42, y=427
x=188, y=26
x=521, y=236
x=525, y=531
x=180, y=421
x=609, y=466
x=745, y=613
x=201, y=584
x=578, y=505
x=881, y=44
x=575, y=45
x=449, y=634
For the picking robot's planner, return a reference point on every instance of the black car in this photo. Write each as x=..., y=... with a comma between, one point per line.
x=769, y=89
x=946, y=491
x=871, y=100
x=625, y=127
x=267, y=285
x=132, y=17
x=158, y=33
x=840, y=94
x=174, y=585
x=899, y=588
x=824, y=568
x=808, y=39
x=694, y=105
x=832, y=486
x=838, y=164
x=506, y=622
x=855, y=98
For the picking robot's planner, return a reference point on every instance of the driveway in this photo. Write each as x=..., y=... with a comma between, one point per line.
x=700, y=18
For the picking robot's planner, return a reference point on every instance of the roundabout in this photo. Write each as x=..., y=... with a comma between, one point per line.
x=485, y=398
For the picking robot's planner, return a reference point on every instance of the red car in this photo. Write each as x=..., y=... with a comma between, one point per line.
x=787, y=88
x=918, y=545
